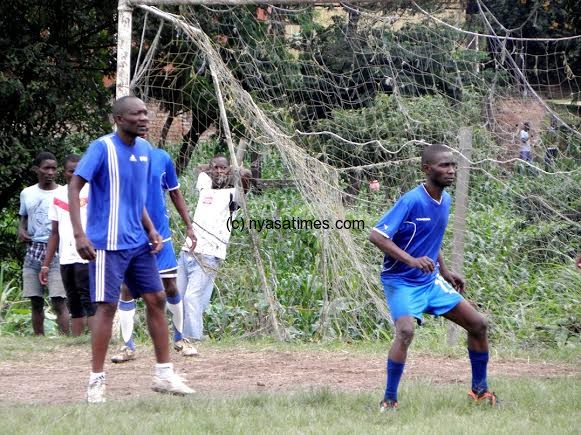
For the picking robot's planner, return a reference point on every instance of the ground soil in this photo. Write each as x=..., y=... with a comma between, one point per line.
x=61, y=376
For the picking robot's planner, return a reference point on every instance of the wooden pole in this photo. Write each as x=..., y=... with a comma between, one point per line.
x=460, y=210
x=123, y=78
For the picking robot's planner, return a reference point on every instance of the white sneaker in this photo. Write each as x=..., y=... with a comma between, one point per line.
x=173, y=385
x=124, y=354
x=185, y=347
x=96, y=391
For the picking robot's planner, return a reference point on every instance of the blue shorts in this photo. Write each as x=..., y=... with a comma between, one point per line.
x=405, y=299
x=167, y=262
x=136, y=267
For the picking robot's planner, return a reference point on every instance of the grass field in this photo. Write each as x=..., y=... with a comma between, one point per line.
x=530, y=404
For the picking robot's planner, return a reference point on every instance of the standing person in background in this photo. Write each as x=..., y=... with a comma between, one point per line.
x=163, y=179
x=120, y=240
x=201, y=257
x=74, y=270
x=34, y=230
x=525, y=151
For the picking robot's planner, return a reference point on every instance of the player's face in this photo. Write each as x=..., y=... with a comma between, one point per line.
x=70, y=170
x=46, y=172
x=219, y=172
x=443, y=171
x=134, y=121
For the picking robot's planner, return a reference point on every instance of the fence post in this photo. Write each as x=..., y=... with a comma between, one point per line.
x=460, y=209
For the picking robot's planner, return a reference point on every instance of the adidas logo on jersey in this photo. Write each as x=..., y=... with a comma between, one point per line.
x=132, y=158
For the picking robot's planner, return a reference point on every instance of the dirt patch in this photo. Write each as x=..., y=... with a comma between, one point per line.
x=61, y=377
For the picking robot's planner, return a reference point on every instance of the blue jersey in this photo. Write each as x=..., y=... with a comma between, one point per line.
x=416, y=224
x=119, y=176
x=163, y=178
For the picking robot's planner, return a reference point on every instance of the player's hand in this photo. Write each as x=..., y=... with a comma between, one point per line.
x=455, y=281
x=43, y=275
x=156, y=242
x=425, y=264
x=191, y=240
x=85, y=248
x=23, y=235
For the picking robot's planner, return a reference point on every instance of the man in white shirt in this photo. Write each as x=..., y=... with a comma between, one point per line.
x=217, y=203
x=74, y=270
x=525, y=143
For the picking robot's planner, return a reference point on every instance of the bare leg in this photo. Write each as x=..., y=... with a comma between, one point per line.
x=77, y=326
x=101, y=334
x=157, y=325
x=59, y=306
x=37, y=311
x=404, y=334
x=466, y=316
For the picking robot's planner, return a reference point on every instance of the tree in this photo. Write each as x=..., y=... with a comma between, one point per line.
x=55, y=54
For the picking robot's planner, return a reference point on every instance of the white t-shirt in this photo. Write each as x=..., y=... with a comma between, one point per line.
x=59, y=212
x=211, y=218
x=525, y=144
x=34, y=203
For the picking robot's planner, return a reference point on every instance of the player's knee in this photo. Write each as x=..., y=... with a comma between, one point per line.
x=480, y=327
x=37, y=304
x=405, y=335
x=155, y=301
x=106, y=310
x=58, y=305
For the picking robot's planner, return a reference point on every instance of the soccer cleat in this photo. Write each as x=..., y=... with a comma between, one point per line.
x=487, y=397
x=173, y=385
x=125, y=354
x=96, y=391
x=388, y=405
x=185, y=347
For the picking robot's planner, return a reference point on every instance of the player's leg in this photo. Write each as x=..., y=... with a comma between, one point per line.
x=33, y=290
x=143, y=279
x=406, y=305
x=58, y=296
x=84, y=293
x=197, y=295
x=105, y=277
x=59, y=306
x=127, y=322
x=476, y=325
x=168, y=270
x=37, y=314
x=76, y=309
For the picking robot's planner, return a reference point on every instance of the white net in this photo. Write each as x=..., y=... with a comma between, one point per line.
x=322, y=102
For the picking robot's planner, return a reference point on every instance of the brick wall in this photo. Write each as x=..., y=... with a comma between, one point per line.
x=157, y=118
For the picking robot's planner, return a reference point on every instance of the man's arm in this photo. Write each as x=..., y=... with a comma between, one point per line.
x=386, y=245
x=453, y=278
x=180, y=204
x=154, y=237
x=51, y=247
x=84, y=246
x=23, y=235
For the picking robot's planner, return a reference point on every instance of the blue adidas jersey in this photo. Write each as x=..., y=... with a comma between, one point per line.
x=163, y=178
x=119, y=175
x=416, y=224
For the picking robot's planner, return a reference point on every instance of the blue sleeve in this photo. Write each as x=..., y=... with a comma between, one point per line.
x=91, y=161
x=171, y=178
x=390, y=222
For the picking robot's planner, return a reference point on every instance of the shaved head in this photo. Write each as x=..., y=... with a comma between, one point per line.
x=120, y=105
x=430, y=153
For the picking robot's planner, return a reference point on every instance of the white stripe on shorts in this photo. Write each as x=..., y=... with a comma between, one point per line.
x=100, y=276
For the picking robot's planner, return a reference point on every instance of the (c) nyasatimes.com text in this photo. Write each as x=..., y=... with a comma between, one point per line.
x=294, y=224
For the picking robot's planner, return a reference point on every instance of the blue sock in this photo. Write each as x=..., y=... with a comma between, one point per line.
x=394, y=372
x=130, y=344
x=479, y=362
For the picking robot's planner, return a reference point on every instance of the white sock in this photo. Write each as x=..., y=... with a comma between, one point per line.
x=94, y=376
x=126, y=319
x=177, y=313
x=164, y=370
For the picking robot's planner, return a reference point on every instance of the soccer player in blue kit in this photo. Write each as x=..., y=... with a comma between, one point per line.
x=163, y=179
x=118, y=238
x=415, y=278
